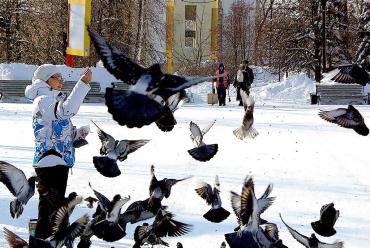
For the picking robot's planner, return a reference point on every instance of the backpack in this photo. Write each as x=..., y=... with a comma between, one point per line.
x=240, y=76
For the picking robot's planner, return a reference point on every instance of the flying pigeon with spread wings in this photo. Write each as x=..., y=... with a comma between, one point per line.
x=17, y=183
x=347, y=118
x=145, y=100
x=113, y=150
x=201, y=152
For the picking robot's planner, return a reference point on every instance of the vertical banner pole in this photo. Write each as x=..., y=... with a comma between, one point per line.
x=169, y=34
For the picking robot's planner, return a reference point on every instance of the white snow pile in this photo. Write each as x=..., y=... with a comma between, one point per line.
x=295, y=88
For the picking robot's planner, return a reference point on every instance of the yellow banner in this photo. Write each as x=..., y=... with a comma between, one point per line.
x=79, y=18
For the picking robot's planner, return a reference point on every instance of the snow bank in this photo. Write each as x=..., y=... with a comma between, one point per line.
x=266, y=87
x=296, y=88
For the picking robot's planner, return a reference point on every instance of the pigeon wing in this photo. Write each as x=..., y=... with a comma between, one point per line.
x=103, y=201
x=208, y=127
x=271, y=231
x=115, y=61
x=77, y=227
x=13, y=178
x=338, y=116
x=204, y=190
x=335, y=245
x=170, y=84
x=133, y=145
x=244, y=97
x=13, y=239
x=107, y=140
x=267, y=191
x=195, y=131
x=296, y=235
x=171, y=182
x=167, y=226
x=264, y=204
x=235, y=203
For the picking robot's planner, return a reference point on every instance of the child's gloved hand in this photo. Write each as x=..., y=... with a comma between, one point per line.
x=81, y=134
x=83, y=131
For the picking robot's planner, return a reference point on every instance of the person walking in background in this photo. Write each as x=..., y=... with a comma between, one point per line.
x=243, y=80
x=222, y=83
x=54, y=137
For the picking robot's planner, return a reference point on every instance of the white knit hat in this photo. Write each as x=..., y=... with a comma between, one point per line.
x=44, y=72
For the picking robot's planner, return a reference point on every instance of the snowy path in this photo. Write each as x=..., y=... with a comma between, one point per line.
x=310, y=162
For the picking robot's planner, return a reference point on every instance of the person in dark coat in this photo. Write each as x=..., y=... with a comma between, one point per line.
x=243, y=80
x=222, y=83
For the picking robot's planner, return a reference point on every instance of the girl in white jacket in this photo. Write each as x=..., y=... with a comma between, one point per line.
x=54, y=137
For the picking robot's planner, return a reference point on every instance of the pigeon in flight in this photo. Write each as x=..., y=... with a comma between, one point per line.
x=112, y=150
x=248, y=218
x=328, y=217
x=65, y=234
x=17, y=183
x=247, y=129
x=352, y=74
x=163, y=225
x=271, y=232
x=144, y=102
x=217, y=213
x=310, y=242
x=167, y=121
x=107, y=226
x=14, y=241
x=240, y=205
x=347, y=118
x=141, y=210
x=201, y=152
x=162, y=188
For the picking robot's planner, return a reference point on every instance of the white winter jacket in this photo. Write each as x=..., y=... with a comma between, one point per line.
x=53, y=129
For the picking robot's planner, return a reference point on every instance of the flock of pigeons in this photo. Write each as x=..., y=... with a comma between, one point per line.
x=153, y=97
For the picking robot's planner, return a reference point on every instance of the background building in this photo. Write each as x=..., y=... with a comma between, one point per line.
x=193, y=32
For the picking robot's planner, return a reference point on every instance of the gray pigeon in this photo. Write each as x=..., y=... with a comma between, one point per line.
x=310, y=242
x=352, y=74
x=201, y=152
x=247, y=129
x=217, y=213
x=347, y=118
x=112, y=150
x=23, y=189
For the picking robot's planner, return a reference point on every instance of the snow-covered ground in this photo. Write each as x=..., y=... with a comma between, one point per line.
x=310, y=162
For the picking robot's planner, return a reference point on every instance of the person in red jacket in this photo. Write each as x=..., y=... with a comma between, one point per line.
x=222, y=83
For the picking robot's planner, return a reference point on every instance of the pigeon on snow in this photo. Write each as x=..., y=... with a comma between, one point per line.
x=217, y=213
x=347, y=118
x=145, y=101
x=112, y=150
x=311, y=242
x=201, y=152
x=352, y=74
x=247, y=129
x=17, y=183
